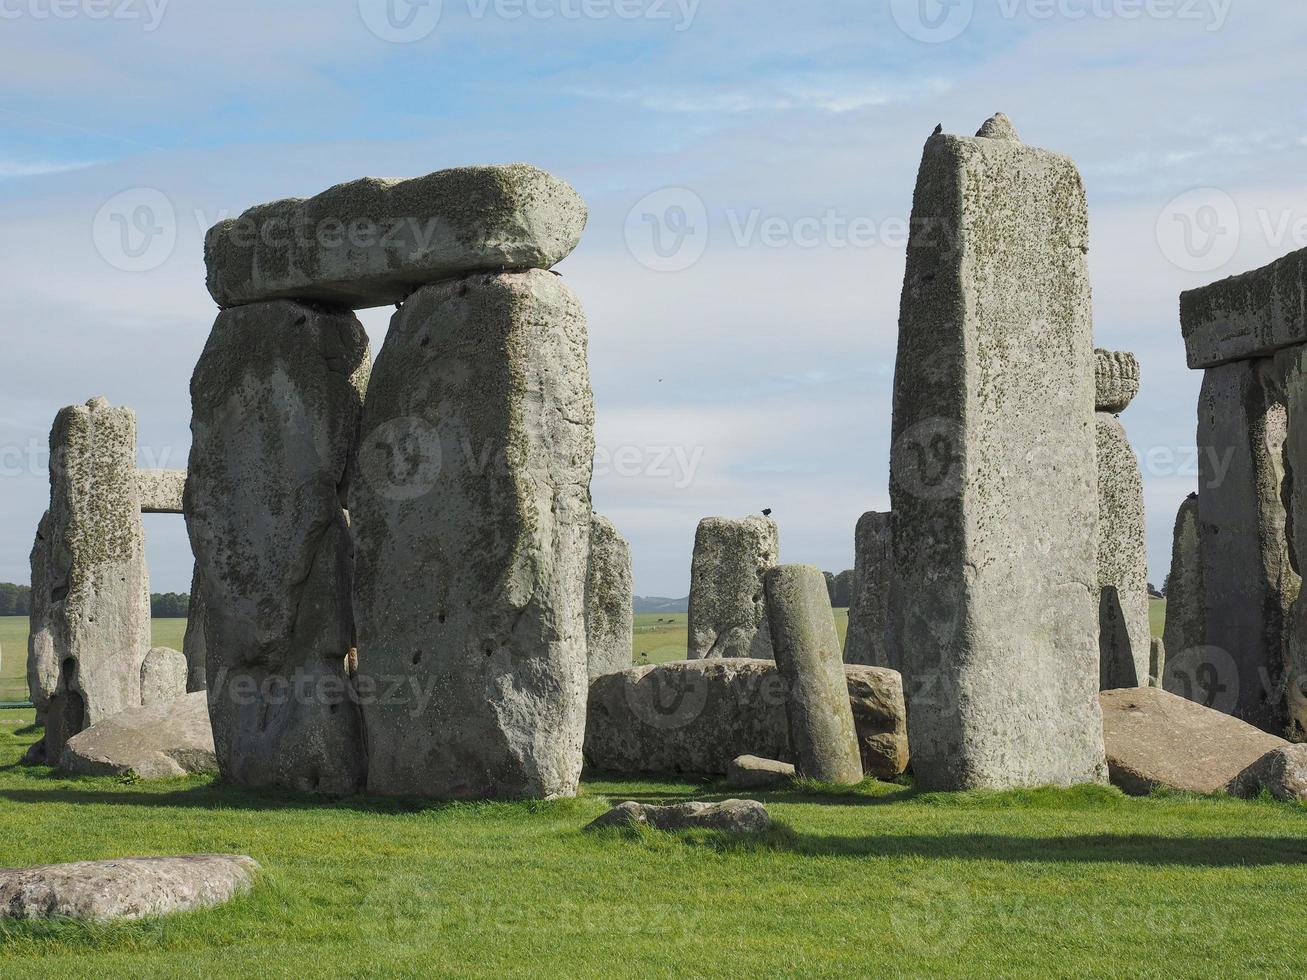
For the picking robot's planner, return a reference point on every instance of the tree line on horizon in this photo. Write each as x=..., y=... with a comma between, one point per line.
x=16, y=600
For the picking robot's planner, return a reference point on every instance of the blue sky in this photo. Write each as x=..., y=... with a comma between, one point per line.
x=752, y=367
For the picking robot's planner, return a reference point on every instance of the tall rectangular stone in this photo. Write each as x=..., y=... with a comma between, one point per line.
x=1186, y=616
x=993, y=475
x=609, y=600
x=728, y=608
x=276, y=400
x=865, y=641
x=1291, y=370
x=472, y=516
x=1247, y=579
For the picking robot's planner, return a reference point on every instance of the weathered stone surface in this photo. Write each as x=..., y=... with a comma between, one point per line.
x=163, y=675
x=95, y=629
x=157, y=741
x=1291, y=371
x=728, y=611
x=161, y=490
x=1156, y=662
x=42, y=663
x=124, y=888
x=193, y=639
x=696, y=716
x=609, y=597
x=1116, y=380
x=1248, y=582
x=1282, y=772
x=807, y=648
x=1186, y=624
x=1246, y=316
x=1154, y=738
x=276, y=400
x=993, y=478
x=1123, y=628
x=471, y=571
x=865, y=641
x=751, y=772
x=732, y=816
x=372, y=242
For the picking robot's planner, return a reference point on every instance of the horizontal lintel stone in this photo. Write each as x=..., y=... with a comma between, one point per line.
x=1246, y=316
x=161, y=490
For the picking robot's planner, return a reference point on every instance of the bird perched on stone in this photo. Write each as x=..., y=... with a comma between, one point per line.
x=938, y=129
x=766, y=512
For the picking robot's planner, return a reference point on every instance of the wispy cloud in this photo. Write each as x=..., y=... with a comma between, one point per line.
x=819, y=91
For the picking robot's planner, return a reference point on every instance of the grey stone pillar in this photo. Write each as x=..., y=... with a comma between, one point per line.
x=865, y=641
x=609, y=598
x=728, y=610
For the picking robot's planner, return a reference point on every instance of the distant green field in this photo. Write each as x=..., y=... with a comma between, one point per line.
x=660, y=637
x=1157, y=615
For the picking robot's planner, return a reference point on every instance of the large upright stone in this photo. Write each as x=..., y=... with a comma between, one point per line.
x=993, y=477
x=1186, y=624
x=93, y=627
x=193, y=639
x=864, y=643
x=1291, y=368
x=609, y=600
x=728, y=610
x=472, y=514
x=807, y=650
x=276, y=400
x=1248, y=582
x=1247, y=316
x=1123, y=627
x=42, y=662
x=372, y=242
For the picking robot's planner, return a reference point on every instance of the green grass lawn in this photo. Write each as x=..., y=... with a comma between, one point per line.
x=660, y=637
x=1157, y=615
x=879, y=881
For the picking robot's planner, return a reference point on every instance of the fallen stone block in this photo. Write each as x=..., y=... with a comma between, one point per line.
x=157, y=741
x=1282, y=772
x=751, y=772
x=372, y=242
x=124, y=888
x=1157, y=739
x=731, y=816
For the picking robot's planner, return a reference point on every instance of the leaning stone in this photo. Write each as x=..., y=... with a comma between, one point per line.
x=730, y=816
x=276, y=401
x=993, y=477
x=163, y=676
x=609, y=598
x=807, y=649
x=161, y=490
x=696, y=716
x=1246, y=316
x=372, y=242
x=1123, y=626
x=492, y=645
x=1156, y=739
x=96, y=625
x=864, y=643
x=157, y=741
x=124, y=888
x=1248, y=579
x=728, y=612
x=1282, y=772
x=1186, y=620
x=751, y=772
x=1116, y=380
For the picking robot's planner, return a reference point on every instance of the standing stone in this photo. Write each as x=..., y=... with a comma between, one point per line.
x=869, y=612
x=42, y=662
x=728, y=611
x=1248, y=583
x=163, y=676
x=808, y=657
x=1292, y=368
x=1186, y=625
x=193, y=640
x=95, y=630
x=609, y=600
x=1156, y=662
x=1123, y=628
x=276, y=399
x=993, y=471
x=472, y=517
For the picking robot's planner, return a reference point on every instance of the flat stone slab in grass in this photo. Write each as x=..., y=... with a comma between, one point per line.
x=154, y=742
x=733, y=816
x=372, y=242
x=124, y=888
x=1156, y=739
